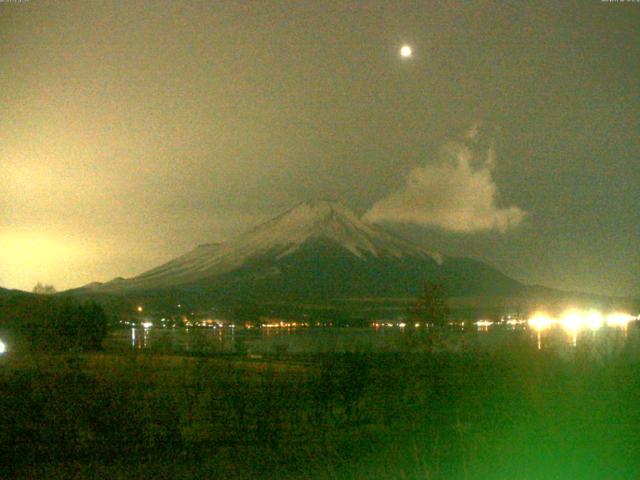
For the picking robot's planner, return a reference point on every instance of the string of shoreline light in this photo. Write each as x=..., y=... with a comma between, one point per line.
x=571, y=320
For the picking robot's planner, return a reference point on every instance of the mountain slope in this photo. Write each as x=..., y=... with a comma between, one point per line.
x=276, y=239
x=317, y=250
x=321, y=270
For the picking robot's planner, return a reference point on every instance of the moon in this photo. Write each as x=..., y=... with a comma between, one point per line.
x=406, y=51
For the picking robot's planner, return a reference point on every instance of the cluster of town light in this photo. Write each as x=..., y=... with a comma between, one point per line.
x=390, y=324
x=573, y=320
x=284, y=324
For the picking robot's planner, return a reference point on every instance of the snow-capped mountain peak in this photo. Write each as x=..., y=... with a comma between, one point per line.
x=327, y=220
x=316, y=220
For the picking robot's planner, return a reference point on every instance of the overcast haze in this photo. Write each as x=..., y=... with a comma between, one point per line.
x=132, y=131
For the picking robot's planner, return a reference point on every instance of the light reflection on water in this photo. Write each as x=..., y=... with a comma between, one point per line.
x=602, y=341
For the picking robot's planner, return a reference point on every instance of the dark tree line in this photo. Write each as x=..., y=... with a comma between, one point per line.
x=51, y=324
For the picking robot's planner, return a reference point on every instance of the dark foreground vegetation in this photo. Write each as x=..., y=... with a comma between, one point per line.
x=47, y=324
x=515, y=414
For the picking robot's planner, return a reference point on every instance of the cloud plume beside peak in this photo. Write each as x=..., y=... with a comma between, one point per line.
x=457, y=193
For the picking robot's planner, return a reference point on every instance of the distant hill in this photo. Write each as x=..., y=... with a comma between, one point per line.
x=6, y=293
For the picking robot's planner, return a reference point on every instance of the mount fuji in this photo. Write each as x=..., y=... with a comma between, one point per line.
x=319, y=250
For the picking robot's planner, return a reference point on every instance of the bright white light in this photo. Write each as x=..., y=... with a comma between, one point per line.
x=618, y=319
x=3, y=347
x=147, y=324
x=571, y=320
x=406, y=51
x=540, y=321
x=593, y=320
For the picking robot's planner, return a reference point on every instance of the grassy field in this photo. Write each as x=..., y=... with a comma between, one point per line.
x=512, y=414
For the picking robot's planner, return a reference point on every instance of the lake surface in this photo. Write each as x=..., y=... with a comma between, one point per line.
x=603, y=342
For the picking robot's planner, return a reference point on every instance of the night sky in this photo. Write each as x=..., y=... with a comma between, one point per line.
x=132, y=131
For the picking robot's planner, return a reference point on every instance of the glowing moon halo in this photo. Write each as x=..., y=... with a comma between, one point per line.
x=406, y=51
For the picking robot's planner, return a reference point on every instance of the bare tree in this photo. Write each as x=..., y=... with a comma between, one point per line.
x=431, y=307
x=41, y=289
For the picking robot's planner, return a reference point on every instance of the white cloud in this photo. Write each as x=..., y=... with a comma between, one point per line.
x=457, y=193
